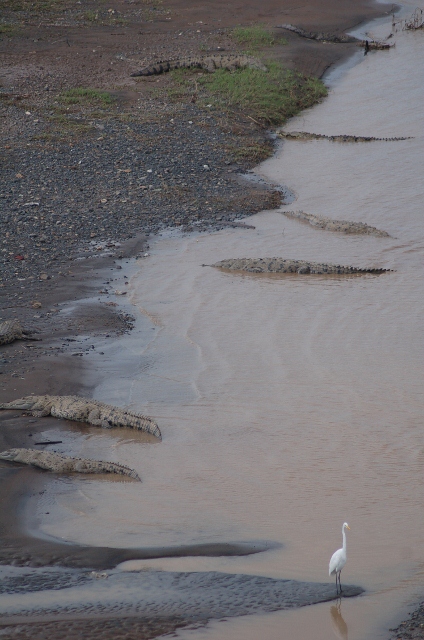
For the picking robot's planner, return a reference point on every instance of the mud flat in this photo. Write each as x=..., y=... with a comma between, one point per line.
x=152, y=596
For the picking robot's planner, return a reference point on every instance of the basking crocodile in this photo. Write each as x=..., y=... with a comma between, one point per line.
x=318, y=35
x=344, y=226
x=64, y=464
x=95, y=413
x=280, y=265
x=209, y=63
x=11, y=330
x=305, y=135
x=369, y=45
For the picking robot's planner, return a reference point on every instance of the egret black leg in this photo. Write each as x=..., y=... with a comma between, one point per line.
x=340, y=584
x=337, y=586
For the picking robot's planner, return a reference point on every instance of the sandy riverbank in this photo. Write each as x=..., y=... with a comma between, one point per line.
x=61, y=373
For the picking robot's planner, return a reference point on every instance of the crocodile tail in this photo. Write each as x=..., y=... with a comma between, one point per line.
x=126, y=471
x=152, y=428
x=155, y=69
x=131, y=474
x=120, y=469
x=156, y=432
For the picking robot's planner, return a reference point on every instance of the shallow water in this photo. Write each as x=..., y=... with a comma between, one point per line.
x=287, y=404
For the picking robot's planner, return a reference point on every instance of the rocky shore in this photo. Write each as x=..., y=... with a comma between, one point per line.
x=412, y=628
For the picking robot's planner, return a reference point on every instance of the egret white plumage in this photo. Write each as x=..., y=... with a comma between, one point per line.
x=338, y=559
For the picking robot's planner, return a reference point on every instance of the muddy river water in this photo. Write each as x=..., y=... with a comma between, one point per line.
x=288, y=404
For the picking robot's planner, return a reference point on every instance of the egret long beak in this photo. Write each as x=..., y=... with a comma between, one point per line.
x=348, y=527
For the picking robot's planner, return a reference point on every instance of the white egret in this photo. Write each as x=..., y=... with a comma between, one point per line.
x=338, y=559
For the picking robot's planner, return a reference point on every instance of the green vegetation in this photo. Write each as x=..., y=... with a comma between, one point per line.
x=255, y=37
x=270, y=98
x=64, y=129
x=65, y=122
x=254, y=152
x=82, y=96
x=8, y=30
x=103, y=17
x=32, y=6
x=152, y=3
x=74, y=111
x=91, y=16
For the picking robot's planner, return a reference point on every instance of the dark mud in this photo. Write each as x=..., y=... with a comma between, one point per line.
x=158, y=598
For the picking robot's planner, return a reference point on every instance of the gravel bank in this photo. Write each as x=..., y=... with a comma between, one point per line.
x=67, y=199
x=411, y=629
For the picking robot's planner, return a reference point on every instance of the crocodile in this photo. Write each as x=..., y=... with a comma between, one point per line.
x=79, y=409
x=208, y=63
x=344, y=226
x=11, y=330
x=58, y=463
x=319, y=36
x=281, y=265
x=376, y=45
x=305, y=135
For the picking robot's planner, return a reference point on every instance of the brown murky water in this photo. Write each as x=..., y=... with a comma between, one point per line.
x=287, y=404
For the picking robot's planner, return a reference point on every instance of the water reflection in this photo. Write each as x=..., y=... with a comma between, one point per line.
x=338, y=624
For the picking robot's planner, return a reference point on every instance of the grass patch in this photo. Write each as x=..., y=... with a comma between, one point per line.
x=270, y=98
x=64, y=128
x=254, y=37
x=82, y=96
x=117, y=21
x=183, y=85
x=64, y=122
x=155, y=4
x=102, y=17
x=32, y=6
x=9, y=30
x=91, y=16
x=254, y=152
x=182, y=75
